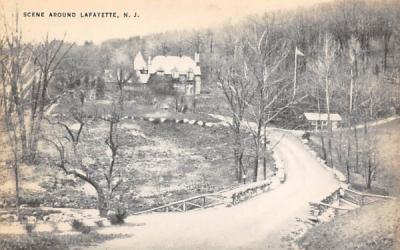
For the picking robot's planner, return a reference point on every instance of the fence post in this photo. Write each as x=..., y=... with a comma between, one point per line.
x=184, y=206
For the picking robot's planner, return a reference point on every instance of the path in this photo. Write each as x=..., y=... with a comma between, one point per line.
x=259, y=223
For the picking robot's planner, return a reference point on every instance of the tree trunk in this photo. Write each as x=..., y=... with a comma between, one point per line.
x=348, y=167
x=356, y=165
x=255, y=175
x=16, y=173
x=102, y=203
x=339, y=148
x=369, y=172
x=386, y=39
x=324, y=155
x=264, y=154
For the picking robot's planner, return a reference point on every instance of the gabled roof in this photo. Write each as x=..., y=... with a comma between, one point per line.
x=168, y=64
x=138, y=62
x=322, y=116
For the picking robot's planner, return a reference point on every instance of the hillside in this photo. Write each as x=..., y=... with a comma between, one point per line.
x=386, y=143
x=375, y=226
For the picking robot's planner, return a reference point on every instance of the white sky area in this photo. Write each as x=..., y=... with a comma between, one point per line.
x=155, y=16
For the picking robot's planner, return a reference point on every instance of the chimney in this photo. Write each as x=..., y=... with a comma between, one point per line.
x=197, y=59
x=149, y=62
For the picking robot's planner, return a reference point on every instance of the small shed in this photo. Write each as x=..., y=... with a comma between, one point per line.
x=319, y=121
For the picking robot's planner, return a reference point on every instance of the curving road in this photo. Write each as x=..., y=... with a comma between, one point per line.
x=259, y=223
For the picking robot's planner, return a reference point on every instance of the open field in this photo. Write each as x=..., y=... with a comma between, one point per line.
x=162, y=162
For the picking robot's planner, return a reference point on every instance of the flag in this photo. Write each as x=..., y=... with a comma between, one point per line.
x=298, y=52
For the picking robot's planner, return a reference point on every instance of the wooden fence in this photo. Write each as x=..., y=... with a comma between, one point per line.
x=360, y=198
x=343, y=199
x=197, y=202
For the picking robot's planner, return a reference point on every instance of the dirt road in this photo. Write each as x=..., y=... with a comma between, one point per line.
x=259, y=223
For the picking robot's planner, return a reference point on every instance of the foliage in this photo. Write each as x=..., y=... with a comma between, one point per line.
x=29, y=227
x=119, y=216
x=79, y=226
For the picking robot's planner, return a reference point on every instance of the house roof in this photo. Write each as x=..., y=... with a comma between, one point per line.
x=169, y=64
x=322, y=116
x=138, y=62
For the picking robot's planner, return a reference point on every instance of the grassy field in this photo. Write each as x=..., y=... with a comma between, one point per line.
x=375, y=226
x=51, y=241
x=387, y=138
x=161, y=163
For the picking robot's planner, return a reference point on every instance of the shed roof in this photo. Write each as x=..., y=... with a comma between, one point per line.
x=322, y=116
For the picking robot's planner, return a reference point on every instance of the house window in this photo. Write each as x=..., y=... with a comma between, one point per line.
x=324, y=124
x=160, y=73
x=143, y=71
x=314, y=124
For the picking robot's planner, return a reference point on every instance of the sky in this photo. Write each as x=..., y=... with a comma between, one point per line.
x=154, y=16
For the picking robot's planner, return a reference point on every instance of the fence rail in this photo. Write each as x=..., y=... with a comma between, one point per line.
x=361, y=198
x=201, y=201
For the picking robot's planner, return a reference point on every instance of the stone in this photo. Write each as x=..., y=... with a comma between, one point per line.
x=31, y=219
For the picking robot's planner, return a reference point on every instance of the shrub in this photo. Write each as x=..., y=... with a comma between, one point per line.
x=31, y=202
x=86, y=229
x=100, y=223
x=119, y=216
x=29, y=227
x=77, y=225
x=306, y=136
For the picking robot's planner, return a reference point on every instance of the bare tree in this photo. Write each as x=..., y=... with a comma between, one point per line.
x=324, y=69
x=266, y=52
x=122, y=68
x=232, y=76
x=76, y=158
x=47, y=58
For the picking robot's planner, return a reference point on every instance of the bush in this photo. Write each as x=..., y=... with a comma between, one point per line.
x=31, y=202
x=86, y=229
x=77, y=225
x=29, y=227
x=119, y=216
x=100, y=223
x=306, y=136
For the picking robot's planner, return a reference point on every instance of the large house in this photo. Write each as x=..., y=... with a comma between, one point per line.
x=319, y=121
x=183, y=71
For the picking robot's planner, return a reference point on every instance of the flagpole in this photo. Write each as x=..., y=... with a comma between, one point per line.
x=295, y=72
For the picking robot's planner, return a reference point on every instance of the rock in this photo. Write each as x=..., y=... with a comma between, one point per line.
x=31, y=219
x=14, y=217
x=5, y=216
